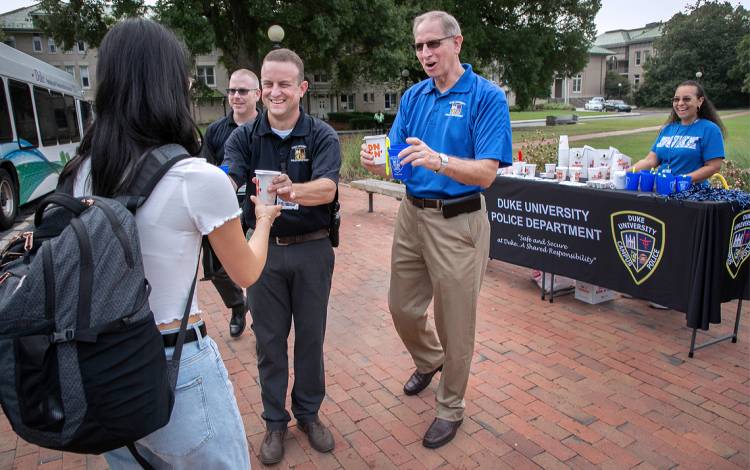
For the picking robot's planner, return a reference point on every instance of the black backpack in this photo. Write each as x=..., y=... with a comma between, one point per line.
x=82, y=365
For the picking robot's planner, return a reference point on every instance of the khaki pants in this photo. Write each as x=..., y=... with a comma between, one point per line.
x=444, y=258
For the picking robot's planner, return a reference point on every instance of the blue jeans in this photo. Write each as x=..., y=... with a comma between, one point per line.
x=205, y=429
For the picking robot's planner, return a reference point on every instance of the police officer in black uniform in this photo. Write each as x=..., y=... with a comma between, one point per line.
x=296, y=281
x=243, y=94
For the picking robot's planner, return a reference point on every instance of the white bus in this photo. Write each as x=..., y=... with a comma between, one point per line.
x=42, y=118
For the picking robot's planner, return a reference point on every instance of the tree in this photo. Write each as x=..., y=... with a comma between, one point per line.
x=741, y=70
x=330, y=35
x=527, y=41
x=616, y=85
x=706, y=40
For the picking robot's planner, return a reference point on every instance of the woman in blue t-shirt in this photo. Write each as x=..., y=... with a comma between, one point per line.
x=691, y=142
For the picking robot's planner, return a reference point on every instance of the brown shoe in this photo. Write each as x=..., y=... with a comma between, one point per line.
x=418, y=381
x=440, y=433
x=319, y=436
x=272, y=448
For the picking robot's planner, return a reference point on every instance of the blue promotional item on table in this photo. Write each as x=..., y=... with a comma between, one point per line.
x=632, y=179
x=684, y=149
x=399, y=170
x=707, y=193
x=665, y=184
x=647, y=181
x=684, y=182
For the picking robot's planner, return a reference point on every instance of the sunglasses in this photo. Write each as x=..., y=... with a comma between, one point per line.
x=431, y=45
x=239, y=91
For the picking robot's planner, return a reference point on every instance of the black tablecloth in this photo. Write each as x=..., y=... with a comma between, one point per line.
x=689, y=256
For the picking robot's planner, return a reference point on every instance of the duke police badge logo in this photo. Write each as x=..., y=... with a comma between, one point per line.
x=457, y=108
x=639, y=239
x=739, y=243
x=299, y=153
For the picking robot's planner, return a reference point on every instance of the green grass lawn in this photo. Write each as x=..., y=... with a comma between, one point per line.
x=525, y=115
x=637, y=146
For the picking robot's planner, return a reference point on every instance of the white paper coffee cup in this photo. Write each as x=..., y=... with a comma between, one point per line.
x=561, y=172
x=529, y=169
x=376, y=146
x=549, y=168
x=265, y=178
x=575, y=173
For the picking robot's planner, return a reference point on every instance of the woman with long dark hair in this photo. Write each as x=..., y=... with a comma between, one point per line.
x=142, y=102
x=691, y=141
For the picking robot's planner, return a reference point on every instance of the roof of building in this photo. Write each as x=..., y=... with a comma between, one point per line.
x=598, y=50
x=623, y=37
x=19, y=18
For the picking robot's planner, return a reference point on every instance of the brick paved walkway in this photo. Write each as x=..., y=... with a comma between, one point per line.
x=552, y=385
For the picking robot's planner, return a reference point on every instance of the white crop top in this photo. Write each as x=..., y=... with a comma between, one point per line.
x=191, y=200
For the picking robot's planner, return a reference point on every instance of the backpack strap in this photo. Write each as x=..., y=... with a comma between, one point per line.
x=138, y=457
x=152, y=167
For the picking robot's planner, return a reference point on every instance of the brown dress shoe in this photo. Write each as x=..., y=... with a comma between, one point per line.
x=440, y=433
x=418, y=381
x=272, y=448
x=319, y=436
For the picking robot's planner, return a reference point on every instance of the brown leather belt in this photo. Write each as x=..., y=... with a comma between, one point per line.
x=305, y=237
x=425, y=203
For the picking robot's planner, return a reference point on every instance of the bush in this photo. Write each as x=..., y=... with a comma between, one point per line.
x=737, y=177
x=539, y=149
x=351, y=168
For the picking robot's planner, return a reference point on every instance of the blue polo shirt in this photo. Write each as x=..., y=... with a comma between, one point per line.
x=684, y=149
x=470, y=120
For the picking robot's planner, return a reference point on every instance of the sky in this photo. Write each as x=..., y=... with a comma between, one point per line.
x=614, y=14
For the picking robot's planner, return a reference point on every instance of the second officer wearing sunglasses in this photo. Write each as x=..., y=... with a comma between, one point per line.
x=243, y=95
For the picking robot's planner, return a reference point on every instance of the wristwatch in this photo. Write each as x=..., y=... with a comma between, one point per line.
x=443, y=163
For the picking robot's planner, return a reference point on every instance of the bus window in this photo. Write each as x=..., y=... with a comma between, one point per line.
x=23, y=112
x=87, y=115
x=72, y=118
x=45, y=112
x=6, y=131
x=63, y=131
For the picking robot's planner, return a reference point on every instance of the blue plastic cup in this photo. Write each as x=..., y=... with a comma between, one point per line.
x=398, y=171
x=665, y=184
x=225, y=168
x=631, y=180
x=647, y=181
x=684, y=182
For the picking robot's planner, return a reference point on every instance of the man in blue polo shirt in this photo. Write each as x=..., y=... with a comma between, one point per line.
x=458, y=130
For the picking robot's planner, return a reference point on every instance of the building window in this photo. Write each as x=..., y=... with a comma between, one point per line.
x=80, y=46
x=577, y=83
x=320, y=77
x=52, y=46
x=71, y=69
x=390, y=100
x=646, y=55
x=347, y=102
x=84, y=71
x=365, y=96
x=206, y=75
x=36, y=43
x=636, y=79
x=637, y=57
x=10, y=41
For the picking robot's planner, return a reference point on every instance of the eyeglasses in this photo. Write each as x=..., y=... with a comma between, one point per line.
x=239, y=91
x=685, y=99
x=431, y=45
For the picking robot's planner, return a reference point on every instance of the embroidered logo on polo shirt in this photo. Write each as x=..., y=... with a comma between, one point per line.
x=639, y=240
x=457, y=108
x=739, y=243
x=299, y=154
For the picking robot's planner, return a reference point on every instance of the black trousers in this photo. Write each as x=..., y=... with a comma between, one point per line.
x=293, y=288
x=230, y=293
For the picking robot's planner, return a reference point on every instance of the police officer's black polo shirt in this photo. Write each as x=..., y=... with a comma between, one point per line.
x=216, y=135
x=311, y=152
